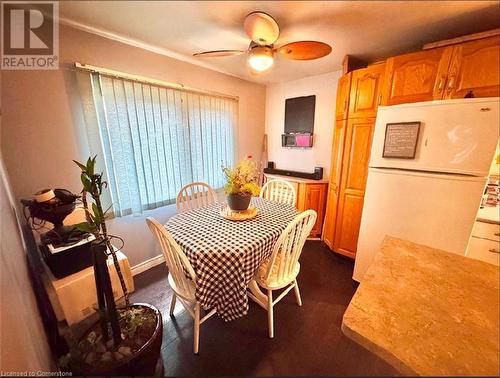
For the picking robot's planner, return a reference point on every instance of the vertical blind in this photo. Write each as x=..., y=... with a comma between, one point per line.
x=154, y=140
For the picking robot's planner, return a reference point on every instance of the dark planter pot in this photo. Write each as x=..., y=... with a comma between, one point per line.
x=238, y=202
x=145, y=362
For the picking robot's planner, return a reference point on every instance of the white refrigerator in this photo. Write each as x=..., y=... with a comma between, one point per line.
x=432, y=198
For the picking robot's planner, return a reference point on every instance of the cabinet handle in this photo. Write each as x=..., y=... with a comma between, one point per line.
x=494, y=250
x=441, y=83
x=451, y=83
x=379, y=99
x=497, y=233
x=345, y=105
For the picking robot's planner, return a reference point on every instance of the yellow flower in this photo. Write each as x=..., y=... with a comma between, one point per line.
x=242, y=179
x=251, y=188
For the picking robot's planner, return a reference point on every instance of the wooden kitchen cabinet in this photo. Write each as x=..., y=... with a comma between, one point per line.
x=451, y=71
x=484, y=243
x=334, y=184
x=356, y=155
x=474, y=69
x=468, y=68
x=419, y=76
x=366, y=88
x=352, y=138
x=343, y=91
x=311, y=194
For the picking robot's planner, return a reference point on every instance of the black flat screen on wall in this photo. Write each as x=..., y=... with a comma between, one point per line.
x=299, y=114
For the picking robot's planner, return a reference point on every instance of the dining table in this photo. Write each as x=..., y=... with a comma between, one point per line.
x=225, y=254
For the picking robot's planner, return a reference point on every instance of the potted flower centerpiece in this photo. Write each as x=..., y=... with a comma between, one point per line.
x=125, y=340
x=241, y=184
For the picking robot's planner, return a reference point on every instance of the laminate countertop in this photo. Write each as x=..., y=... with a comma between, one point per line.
x=489, y=215
x=427, y=311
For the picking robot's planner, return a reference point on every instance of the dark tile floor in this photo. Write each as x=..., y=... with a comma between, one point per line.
x=308, y=340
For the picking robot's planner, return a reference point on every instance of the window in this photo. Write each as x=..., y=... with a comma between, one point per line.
x=153, y=140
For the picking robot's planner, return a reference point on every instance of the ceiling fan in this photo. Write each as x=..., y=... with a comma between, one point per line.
x=264, y=31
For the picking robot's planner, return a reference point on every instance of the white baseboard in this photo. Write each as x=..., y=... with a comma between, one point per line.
x=148, y=264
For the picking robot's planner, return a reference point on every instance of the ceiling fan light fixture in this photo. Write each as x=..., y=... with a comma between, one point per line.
x=261, y=58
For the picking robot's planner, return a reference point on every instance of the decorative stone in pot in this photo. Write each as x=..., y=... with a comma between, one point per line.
x=238, y=202
x=124, y=361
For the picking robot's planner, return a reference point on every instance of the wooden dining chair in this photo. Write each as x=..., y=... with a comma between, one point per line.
x=181, y=277
x=195, y=195
x=281, y=269
x=279, y=191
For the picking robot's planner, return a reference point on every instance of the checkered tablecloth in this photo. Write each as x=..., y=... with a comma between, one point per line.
x=225, y=254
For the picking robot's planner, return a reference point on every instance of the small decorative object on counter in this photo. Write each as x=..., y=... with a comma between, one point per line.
x=241, y=184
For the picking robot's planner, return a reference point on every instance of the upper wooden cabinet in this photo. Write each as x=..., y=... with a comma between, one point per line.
x=469, y=68
x=342, y=105
x=366, y=87
x=419, y=76
x=474, y=69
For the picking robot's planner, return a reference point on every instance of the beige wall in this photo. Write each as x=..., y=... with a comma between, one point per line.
x=41, y=131
x=23, y=344
x=302, y=159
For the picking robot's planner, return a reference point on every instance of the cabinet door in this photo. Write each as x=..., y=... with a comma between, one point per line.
x=419, y=76
x=357, y=149
x=366, y=87
x=475, y=68
x=334, y=185
x=484, y=250
x=315, y=199
x=342, y=105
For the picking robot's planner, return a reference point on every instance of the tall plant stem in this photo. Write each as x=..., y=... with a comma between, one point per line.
x=85, y=206
x=111, y=250
x=99, y=292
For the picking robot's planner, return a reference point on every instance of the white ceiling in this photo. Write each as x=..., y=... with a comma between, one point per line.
x=371, y=30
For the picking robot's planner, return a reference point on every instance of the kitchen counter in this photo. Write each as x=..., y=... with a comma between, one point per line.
x=489, y=214
x=427, y=311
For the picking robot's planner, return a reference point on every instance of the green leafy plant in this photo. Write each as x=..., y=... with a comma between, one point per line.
x=242, y=179
x=96, y=219
x=131, y=326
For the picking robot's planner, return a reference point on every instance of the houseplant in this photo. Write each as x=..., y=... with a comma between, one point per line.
x=124, y=341
x=241, y=184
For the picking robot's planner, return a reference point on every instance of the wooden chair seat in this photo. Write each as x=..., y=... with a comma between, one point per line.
x=274, y=281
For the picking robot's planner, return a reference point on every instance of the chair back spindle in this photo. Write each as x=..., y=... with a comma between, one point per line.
x=287, y=250
x=178, y=264
x=279, y=191
x=195, y=195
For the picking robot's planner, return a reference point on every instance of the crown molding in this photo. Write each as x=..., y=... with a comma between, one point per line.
x=142, y=45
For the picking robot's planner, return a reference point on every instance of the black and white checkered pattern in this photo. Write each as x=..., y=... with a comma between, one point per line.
x=225, y=254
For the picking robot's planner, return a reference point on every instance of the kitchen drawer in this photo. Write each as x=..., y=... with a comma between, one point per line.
x=486, y=231
x=481, y=249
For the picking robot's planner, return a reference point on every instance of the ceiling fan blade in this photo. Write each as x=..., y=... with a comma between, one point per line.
x=219, y=53
x=304, y=50
x=261, y=28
